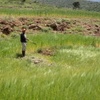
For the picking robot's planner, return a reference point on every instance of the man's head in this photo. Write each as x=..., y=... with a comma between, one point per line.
x=23, y=29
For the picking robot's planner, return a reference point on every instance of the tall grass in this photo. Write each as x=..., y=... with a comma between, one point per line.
x=72, y=73
x=49, y=12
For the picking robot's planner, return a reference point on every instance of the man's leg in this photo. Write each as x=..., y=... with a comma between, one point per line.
x=23, y=49
x=23, y=53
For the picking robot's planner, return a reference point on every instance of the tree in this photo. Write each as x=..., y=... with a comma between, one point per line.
x=76, y=5
x=23, y=1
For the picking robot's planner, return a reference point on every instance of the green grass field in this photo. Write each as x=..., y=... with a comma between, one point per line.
x=72, y=73
x=30, y=10
x=51, y=12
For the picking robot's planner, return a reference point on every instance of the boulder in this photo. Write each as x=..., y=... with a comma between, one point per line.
x=54, y=26
x=34, y=27
x=4, y=22
x=6, y=29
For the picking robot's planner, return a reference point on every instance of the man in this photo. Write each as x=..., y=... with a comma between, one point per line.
x=23, y=40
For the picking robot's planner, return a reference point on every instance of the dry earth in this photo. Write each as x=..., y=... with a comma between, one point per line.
x=63, y=25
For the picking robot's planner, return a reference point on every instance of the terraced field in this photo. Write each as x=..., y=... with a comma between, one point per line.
x=64, y=64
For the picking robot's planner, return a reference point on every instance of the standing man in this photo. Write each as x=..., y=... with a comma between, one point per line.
x=23, y=40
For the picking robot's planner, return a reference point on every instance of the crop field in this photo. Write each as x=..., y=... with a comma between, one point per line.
x=51, y=12
x=71, y=72
x=30, y=10
x=61, y=63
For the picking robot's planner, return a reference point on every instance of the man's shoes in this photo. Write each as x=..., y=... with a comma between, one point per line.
x=23, y=53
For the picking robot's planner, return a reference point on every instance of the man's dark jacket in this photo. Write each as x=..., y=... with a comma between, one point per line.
x=23, y=38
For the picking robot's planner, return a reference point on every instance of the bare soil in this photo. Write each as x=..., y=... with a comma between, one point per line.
x=62, y=25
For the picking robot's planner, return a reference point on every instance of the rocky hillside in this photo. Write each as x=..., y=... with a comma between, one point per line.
x=60, y=25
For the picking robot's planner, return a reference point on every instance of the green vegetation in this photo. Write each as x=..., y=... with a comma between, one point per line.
x=60, y=66
x=84, y=4
x=29, y=8
x=72, y=73
x=45, y=11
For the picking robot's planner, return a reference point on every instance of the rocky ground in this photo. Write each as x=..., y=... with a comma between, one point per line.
x=62, y=25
